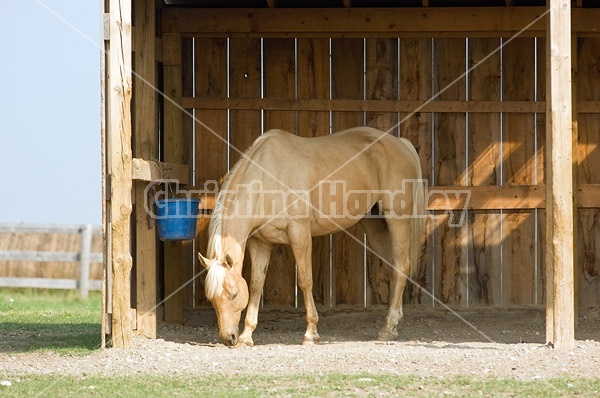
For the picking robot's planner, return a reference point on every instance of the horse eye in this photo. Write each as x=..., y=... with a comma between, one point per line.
x=233, y=295
x=232, y=291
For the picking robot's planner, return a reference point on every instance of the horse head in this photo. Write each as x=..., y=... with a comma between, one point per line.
x=227, y=290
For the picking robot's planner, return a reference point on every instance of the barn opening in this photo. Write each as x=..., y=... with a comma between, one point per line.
x=467, y=86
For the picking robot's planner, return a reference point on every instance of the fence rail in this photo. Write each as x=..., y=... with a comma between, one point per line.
x=85, y=257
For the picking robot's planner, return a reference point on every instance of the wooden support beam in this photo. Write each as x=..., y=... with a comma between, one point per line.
x=104, y=324
x=148, y=170
x=350, y=105
x=443, y=198
x=560, y=322
x=146, y=146
x=368, y=22
x=175, y=253
x=575, y=147
x=118, y=157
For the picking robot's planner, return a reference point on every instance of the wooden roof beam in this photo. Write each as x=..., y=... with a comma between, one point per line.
x=368, y=22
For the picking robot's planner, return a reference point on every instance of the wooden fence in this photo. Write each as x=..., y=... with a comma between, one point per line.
x=85, y=257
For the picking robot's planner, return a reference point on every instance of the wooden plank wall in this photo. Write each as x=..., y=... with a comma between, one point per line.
x=416, y=84
x=279, y=81
x=313, y=83
x=382, y=74
x=588, y=89
x=145, y=146
x=495, y=257
x=518, y=154
x=485, y=232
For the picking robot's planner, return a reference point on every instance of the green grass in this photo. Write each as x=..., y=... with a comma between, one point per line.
x=38, y=320
x=60, y=321
x=293, y=386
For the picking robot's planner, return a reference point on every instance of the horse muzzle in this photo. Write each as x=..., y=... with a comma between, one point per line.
x=229, y=338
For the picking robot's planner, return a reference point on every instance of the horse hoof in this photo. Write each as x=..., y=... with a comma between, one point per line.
x=387, y=335
x=245, y=342
x=310, y=340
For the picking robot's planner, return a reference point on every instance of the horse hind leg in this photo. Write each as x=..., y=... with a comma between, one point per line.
x=399, y=236
x=260, y=254
x=301, y=242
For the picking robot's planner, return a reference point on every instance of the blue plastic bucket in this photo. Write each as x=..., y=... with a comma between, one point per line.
x=176, y=218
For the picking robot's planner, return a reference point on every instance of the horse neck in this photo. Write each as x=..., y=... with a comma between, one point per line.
x=233, y=240
x=230, y=232
x=233, y=231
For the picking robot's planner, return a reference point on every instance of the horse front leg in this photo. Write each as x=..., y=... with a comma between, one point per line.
x=260, y=254
x=399, y=233
x=301, y=242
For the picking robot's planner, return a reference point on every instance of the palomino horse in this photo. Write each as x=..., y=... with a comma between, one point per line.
x=287, y=189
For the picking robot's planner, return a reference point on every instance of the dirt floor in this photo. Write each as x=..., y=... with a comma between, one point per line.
x=486, y=343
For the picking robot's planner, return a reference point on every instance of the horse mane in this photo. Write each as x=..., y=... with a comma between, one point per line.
x=215, y=277
x=216, y=222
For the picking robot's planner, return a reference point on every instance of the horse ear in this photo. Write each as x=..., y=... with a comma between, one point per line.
x=228, y=261
x=203, y=260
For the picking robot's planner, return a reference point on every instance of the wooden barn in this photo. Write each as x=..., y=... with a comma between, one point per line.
x=501, y=98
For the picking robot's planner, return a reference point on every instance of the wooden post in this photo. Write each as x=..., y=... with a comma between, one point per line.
x=84, y=260
x=105, y=329
x=119, y=160
x=560, y=322
x=575, y=145
x=146, y=147
x=174, y=251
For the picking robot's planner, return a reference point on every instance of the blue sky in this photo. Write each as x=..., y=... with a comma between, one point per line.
x=50, y=168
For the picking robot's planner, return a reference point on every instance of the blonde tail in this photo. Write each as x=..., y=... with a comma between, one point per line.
x=417, y=228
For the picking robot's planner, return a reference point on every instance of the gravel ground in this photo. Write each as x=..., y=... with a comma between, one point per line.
x=484, y=343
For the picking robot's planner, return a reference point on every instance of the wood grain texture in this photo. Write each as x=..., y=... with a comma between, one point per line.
x=381, y=84
x=244, y=125
x=347, y=62
x=519, y=151
x=119, y=157
x=450, y=168
x=211, y=147
x=485, y=240
x=416, y=84
x=382, y=22
x=313, y=83
x=588, y=170
x=145, y=126
x=280, y=82
x=173, y=152
x=560, y=309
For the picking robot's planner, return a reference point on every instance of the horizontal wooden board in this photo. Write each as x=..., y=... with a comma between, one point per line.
x=383, y=22
x=441, y=198
x=504, y=197
x=17, y=255
x=147, y=170
x=353, y=105
x=486, y=197
x=47, y=229
x=46, y=283
x=349, y=105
